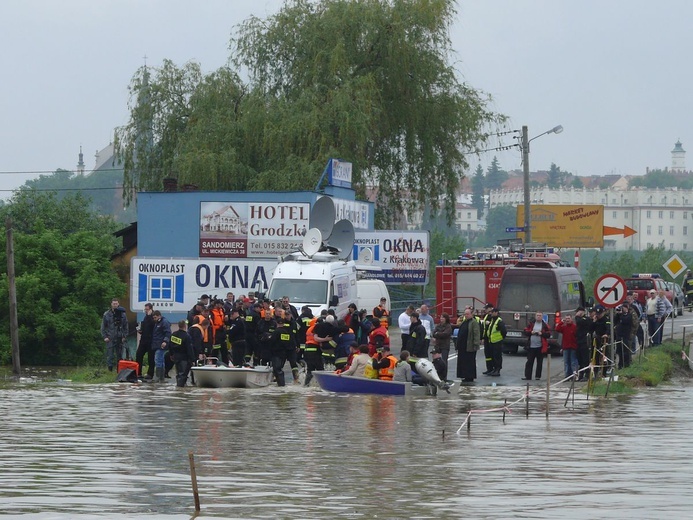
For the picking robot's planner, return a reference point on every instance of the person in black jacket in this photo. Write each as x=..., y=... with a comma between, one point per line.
x=252, y=344
x=283, y=342
x=236, y=337
x=417, y=337
x=601, y=336
x=265, y=328
x=181, y=352
x=145, y=346
x=584, y=327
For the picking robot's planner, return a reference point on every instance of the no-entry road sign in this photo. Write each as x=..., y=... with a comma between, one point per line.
x=610, y=290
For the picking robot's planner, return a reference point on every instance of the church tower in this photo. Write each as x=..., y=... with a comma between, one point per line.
x=80, y=163
x=678, y=158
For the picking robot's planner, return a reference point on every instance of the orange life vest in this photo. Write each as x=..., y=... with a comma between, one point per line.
x=388, y=373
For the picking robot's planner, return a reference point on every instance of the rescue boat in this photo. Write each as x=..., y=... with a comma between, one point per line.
x=212, y=376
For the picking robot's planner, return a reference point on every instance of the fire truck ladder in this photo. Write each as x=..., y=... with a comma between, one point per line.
x=447, y=289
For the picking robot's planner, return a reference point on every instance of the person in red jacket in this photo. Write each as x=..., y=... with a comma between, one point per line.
x=378, y=338
x=568, y=328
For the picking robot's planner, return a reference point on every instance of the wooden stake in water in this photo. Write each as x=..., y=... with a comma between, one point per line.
x=193, y=478
x=548, y=381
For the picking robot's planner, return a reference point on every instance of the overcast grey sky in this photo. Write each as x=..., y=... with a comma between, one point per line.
x=615, y=74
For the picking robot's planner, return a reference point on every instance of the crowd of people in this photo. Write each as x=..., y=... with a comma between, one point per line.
x=250, y=331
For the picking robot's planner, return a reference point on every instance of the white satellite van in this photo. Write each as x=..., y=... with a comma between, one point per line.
x=319, y=275
x=318, y=282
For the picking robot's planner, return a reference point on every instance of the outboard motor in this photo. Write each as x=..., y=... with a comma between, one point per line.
x=426, y=370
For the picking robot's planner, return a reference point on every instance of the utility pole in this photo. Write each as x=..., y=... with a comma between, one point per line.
x=525, y=171
x=14, y=328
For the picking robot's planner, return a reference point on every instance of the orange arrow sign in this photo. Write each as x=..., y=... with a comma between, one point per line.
x=626, y=231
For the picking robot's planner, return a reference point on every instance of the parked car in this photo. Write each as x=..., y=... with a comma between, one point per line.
x=679, y=299
x=642, y=283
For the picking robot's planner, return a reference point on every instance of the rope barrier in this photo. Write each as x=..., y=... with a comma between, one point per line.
x=526, y=393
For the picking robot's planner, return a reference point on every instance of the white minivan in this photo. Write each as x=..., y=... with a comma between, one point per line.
x=319, y=284
x=369, y=293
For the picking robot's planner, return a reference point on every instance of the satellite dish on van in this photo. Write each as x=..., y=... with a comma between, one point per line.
x=342, y=239
x=312, y=241
x=322, y=216
x=366, y=256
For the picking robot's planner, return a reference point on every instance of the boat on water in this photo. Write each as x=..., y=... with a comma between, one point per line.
x=333, y=382
x=212, y=376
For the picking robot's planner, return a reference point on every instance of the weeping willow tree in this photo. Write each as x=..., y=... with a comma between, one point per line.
x=368, y=81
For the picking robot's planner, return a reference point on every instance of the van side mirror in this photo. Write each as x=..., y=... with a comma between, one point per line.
x=334, y=301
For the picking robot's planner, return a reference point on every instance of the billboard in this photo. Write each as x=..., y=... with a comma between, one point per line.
x=251, y=229
x=264, y=229
x=561, y=225
x=398, y=257
x=339, y=173
x=175, y=285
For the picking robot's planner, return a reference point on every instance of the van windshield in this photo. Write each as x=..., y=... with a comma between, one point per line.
x=299, y=291
x=639, y=284
x=534, y=295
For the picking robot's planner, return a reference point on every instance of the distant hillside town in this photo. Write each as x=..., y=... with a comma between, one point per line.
x=659, y=215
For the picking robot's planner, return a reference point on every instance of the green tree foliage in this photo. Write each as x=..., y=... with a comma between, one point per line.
x=368, y=81
x=496, y=221
x=556, y=177
x=445, y=243
x=495, y=177
x=661, y=179
x=98, y=190
x=64, y=278
x=577, y=183
x=625, y=264
x=478, y=190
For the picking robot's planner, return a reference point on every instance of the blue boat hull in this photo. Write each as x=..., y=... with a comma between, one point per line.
x=360, y=385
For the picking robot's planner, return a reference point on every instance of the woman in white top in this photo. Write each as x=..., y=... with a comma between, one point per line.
x=358, y=363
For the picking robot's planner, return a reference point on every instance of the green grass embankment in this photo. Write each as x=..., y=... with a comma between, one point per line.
x=87, y=374
x=651, y=367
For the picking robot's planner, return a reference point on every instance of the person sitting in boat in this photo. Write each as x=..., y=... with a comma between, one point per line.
x=378, y=337
x=384, y=362
x=354, y=350
x=403, y=368
x=358, y=363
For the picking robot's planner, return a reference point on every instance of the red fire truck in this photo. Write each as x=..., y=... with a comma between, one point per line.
x=474, y=277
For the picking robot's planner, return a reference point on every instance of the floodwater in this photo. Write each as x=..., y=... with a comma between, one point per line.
x=121, y=451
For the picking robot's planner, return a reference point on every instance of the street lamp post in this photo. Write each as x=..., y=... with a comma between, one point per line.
x=525, y=169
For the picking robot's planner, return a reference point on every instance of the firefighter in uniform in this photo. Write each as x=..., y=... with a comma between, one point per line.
x=312, y=354
x=488, y=354
x=181, y=351
x=688, y=289
x=252, y=319
x=382, y=313
x=495, y=331
x=236, y=337
x=283, y=342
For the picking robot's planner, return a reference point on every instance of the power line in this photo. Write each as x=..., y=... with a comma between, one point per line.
x=59, y=170
x=27, y=188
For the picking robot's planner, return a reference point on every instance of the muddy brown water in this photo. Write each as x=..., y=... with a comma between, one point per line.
x=121, y=451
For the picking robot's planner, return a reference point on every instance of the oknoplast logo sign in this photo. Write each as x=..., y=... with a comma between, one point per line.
x=176, y=284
